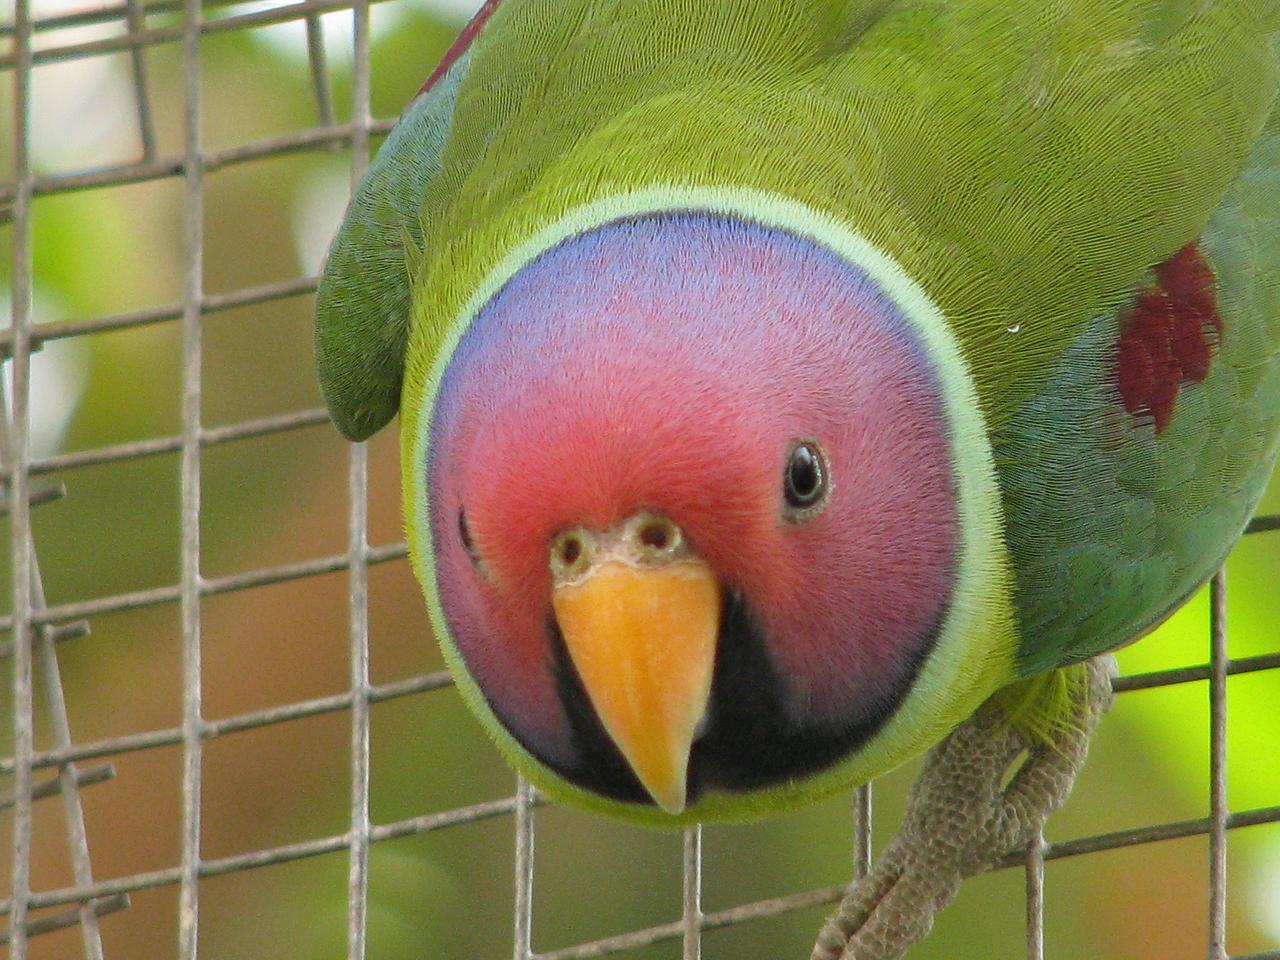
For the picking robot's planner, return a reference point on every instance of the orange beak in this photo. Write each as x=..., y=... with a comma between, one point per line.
x=643, y=640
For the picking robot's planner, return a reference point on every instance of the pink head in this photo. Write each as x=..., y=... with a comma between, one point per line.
x=763, y=402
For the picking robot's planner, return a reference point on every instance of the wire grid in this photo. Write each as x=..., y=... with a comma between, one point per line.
x=36, y=628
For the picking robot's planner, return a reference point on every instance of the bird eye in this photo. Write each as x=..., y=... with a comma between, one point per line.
x=804, y=483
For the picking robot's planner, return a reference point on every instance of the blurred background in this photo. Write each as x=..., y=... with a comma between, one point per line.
x=282, y=498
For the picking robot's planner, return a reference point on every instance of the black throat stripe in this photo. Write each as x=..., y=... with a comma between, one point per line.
x=750, y=742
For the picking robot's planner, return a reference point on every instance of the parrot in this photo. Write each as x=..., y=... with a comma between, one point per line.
x=789, y=387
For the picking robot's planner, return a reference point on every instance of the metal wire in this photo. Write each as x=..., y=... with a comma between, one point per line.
x=19, y=460
x=522, y=937
x=69, y=778
x=189, y=588
x=133, y=40
x=135, y=18
x=37, y=629
x=691, y=917
x=358, y=567
x=1035, y=897
x=1219, y=810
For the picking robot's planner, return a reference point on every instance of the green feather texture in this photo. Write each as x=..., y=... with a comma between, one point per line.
x=363, y=301
x=1040, y=707
x=1025, y=165
x=1028, y=165
x=1111, y=524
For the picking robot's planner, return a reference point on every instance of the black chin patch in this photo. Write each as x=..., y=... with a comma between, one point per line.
x=750, y=741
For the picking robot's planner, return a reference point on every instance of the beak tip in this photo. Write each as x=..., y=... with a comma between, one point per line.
x=666, y=779
x=671, y=801
x=643, y=641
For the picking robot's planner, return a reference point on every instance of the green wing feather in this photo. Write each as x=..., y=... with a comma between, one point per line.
x=1110, y=524
x=366, y=289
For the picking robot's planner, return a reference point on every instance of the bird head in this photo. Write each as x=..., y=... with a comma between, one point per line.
x=691, y=510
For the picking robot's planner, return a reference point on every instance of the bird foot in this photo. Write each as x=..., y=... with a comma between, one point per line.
x=965, y=810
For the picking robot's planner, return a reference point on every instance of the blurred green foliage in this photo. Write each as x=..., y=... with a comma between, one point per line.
x=283, y=498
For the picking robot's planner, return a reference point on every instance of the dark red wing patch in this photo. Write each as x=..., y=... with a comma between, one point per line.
x=1168, y=336
x=459, y=46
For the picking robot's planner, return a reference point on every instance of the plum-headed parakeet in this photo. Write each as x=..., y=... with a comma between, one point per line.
x=779, y=381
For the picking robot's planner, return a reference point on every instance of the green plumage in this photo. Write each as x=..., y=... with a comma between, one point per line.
x=1112, y=525
x=1027, y=165
x=364, y=298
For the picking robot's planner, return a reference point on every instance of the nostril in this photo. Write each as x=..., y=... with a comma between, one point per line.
x=570, y=554
x=570, y=550
x=656, y=535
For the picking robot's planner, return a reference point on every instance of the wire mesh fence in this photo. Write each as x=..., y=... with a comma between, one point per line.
x=48, y=763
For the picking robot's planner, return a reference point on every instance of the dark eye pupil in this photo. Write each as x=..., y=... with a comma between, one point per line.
x=804, y=481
